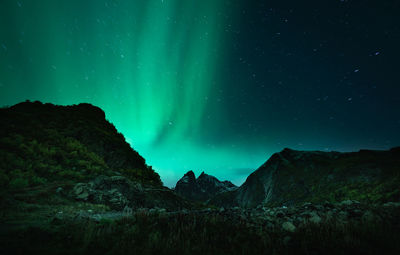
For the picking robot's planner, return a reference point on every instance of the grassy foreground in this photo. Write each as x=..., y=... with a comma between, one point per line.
x=195, y=233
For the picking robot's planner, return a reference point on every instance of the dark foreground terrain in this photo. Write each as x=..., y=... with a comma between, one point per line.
x=83, y=228
x=70, y=184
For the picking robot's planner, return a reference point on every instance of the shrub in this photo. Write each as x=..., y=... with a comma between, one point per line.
x=19, y=183
x=35, y=180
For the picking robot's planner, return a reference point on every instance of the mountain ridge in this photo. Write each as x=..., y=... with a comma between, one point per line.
x=315, y=176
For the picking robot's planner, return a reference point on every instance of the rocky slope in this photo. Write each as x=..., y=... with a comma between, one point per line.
x=119, y=194
x=202, y=188
x=293, y=177
x=41, y=143
x=76, y=151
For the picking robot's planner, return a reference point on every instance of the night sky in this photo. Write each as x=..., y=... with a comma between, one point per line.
x=213, y=85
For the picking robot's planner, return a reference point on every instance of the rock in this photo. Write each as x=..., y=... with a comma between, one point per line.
x=118, y=179
x=127, y=211
x=288, y=226
x=58, y=218
x=308, y=214
x=309, y=206
x=346, y=202
x=315, y=219
x=349, y=202
x=81, y=191
x=83, y=196
x=342, y=216
x=392, y=204
x=118, y=192
x=116, y=199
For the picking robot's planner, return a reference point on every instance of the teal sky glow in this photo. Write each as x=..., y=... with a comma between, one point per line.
x=212, y=85
x=152, y=66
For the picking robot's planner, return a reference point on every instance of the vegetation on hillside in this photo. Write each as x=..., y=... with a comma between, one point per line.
x=41, y=143
x=290, y=178
x=365, y=176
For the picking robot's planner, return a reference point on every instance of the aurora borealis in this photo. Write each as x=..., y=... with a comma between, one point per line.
x=212, y=85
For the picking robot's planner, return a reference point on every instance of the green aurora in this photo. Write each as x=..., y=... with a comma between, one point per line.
x=212, y=85
x=151, y=65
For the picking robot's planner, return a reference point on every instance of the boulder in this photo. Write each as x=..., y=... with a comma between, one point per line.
x=315, y=219
x=288, y=226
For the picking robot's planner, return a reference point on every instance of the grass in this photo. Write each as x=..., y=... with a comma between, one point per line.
x=193, y=233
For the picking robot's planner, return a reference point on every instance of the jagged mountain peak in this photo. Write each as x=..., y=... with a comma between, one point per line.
x=190, y=174
x=202, y=188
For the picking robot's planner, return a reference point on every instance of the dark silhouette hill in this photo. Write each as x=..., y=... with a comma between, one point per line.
x=45, y=142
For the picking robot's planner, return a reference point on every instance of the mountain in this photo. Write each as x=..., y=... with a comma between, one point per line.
x=202, y=188
x=75, y=149
x=44, y=142
x=293, y=177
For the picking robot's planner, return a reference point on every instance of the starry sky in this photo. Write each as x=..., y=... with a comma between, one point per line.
x=214, y=86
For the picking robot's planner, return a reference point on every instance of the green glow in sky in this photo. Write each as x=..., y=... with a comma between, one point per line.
x=151, y=65
x=213, y=85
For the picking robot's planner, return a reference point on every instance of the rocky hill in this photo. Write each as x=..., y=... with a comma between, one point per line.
x=202, y=188
x=293, y=177
x=74, y=150
x=45, y=142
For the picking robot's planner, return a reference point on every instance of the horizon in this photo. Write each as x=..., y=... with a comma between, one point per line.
x=214, y=86
x=243, y=173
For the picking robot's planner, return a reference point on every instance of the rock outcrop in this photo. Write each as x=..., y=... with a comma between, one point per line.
x=119, y=193
x=202, y=188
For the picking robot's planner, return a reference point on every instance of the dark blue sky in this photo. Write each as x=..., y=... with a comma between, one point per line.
x=316, y=73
